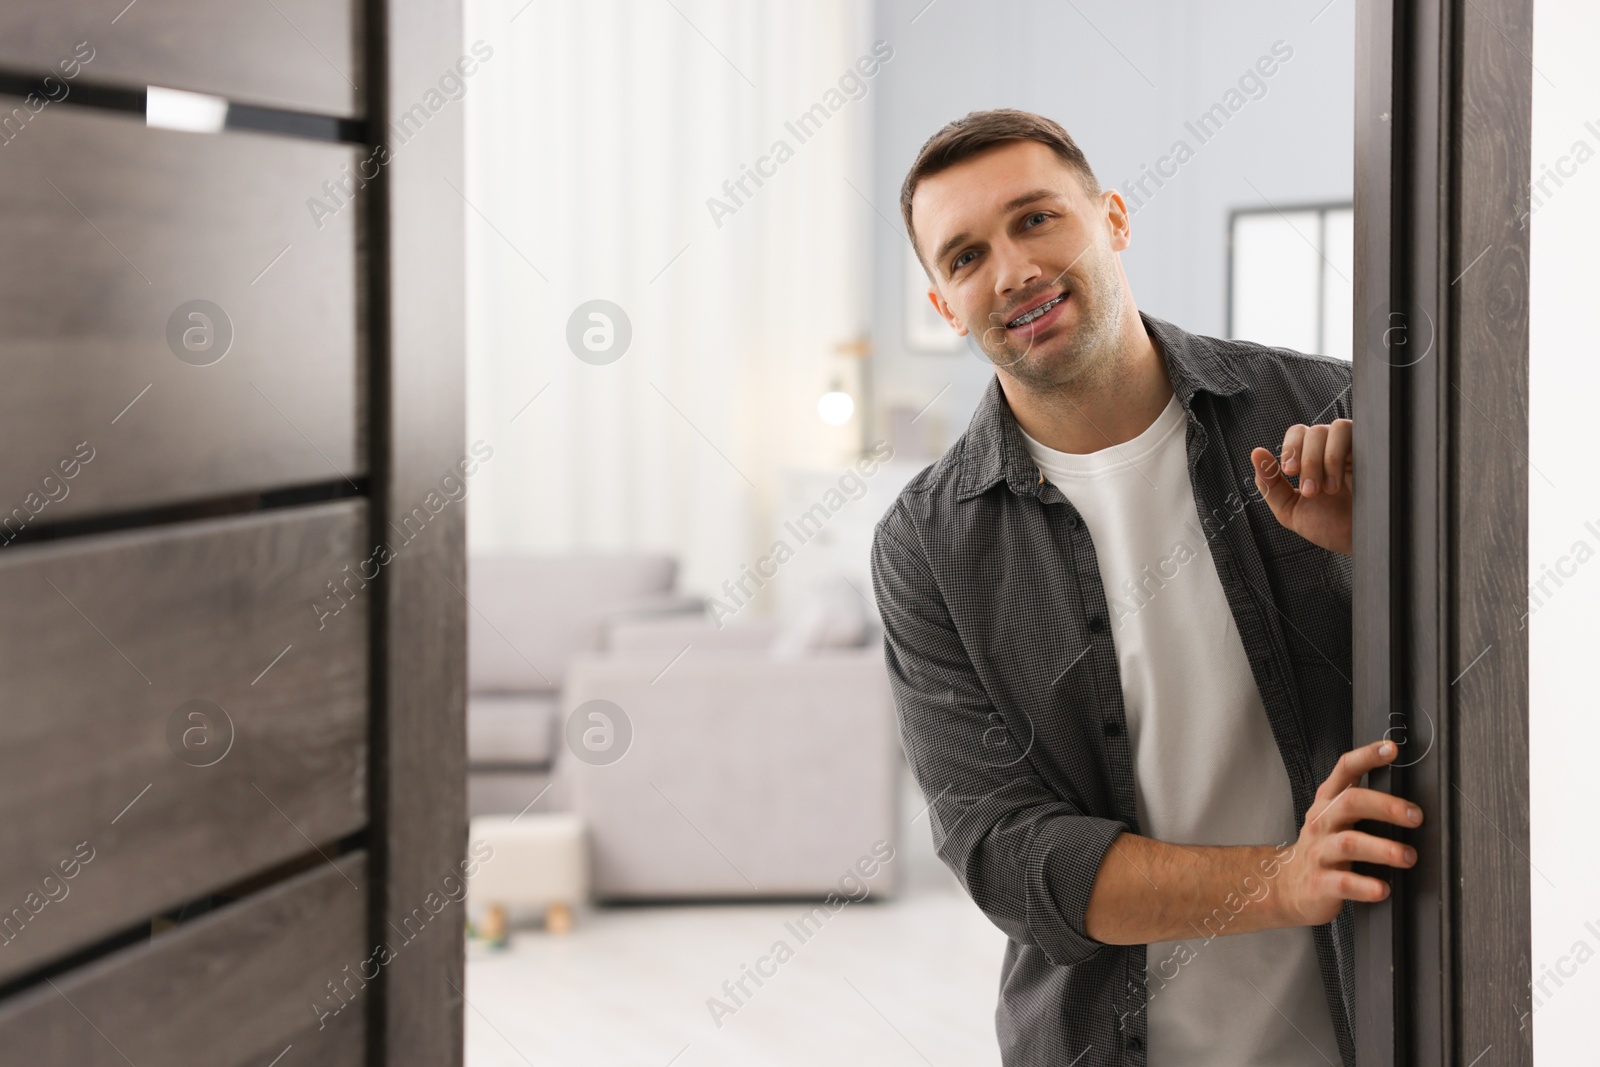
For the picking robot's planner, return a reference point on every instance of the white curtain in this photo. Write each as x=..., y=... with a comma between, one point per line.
x=596, y=134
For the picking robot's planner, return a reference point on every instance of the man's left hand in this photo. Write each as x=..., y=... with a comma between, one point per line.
x=1320, y=508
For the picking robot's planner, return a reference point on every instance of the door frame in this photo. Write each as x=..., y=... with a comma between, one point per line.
x=1443, y=151
x=416, y=313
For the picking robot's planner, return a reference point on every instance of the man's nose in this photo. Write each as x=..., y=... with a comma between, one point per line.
x=1015, y=271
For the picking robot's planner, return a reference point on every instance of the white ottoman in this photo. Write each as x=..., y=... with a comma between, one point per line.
x=527, y=862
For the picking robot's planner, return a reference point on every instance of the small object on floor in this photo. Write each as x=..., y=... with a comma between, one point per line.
x=494, y=926
x=529, y=862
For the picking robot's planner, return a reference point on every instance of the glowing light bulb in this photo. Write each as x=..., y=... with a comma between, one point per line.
x=835, y=407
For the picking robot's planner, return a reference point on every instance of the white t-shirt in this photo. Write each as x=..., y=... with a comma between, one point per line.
x=1206, y=767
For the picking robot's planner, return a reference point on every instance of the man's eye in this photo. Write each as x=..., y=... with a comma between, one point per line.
x=961, y=260
x=1036, y=215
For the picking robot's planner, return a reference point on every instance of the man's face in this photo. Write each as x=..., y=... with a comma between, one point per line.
x=1012, y=231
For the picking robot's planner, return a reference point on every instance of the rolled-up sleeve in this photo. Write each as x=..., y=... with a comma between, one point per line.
x=1026, y=856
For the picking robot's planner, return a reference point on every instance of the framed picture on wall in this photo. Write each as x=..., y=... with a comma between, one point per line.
x=926, y=330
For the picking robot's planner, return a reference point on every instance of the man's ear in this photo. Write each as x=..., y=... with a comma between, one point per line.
x=1118, y=221
x=945, y=312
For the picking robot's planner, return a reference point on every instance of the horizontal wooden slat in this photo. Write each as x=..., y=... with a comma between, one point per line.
x=110, y=228
x=296, y=54
x=234, y=988
x=104, y=640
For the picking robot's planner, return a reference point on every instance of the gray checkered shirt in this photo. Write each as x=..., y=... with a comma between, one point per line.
x=1010, y=703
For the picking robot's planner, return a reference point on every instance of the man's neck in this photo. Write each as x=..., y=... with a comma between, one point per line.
x=1109, y=407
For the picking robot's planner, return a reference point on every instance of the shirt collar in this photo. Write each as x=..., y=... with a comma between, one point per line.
x=995, y=449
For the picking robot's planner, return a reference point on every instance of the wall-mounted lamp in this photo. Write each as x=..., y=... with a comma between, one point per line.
x=836, y=406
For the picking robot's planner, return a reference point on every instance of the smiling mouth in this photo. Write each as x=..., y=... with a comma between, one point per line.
x=1029, y=316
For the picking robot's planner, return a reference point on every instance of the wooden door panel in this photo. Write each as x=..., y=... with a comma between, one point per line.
x=235, y=988
x=296, y=54
x=117, y=395
x=175, y=718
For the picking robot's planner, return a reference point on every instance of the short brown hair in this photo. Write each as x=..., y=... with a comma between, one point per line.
x=978, y=131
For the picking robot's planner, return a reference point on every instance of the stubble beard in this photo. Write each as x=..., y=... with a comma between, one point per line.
x=1084, y=360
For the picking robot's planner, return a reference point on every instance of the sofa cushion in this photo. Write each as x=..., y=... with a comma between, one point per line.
x=831, y=615
x=529, y=613
x=506, y=792
x=511, y=729
x=671, y=634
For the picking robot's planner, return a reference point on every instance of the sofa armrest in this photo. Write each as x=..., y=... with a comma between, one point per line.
x=791, y=768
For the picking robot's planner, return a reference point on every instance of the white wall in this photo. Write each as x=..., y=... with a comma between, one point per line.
x=1123, y=78
x=1564, y=627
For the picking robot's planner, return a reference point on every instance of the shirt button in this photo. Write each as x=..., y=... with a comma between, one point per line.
x=1097, y=624
x=1113, y=727
x=1073, y=522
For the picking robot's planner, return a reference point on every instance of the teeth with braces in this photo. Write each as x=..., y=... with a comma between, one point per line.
x=1023, y=320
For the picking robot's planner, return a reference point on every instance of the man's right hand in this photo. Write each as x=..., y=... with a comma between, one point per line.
x=1317, y=880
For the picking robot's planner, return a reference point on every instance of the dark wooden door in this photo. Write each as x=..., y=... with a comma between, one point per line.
x=232, y=738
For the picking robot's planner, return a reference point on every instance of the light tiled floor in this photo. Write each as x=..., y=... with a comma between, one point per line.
x=908, y=981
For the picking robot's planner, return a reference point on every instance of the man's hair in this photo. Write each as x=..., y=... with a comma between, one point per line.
x=979, y=131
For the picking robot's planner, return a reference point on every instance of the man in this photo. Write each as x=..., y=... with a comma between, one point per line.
x=1123, y=678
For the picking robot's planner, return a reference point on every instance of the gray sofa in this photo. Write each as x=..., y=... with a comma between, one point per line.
x=763, y=760
x=750, y=772
x=528, y=616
